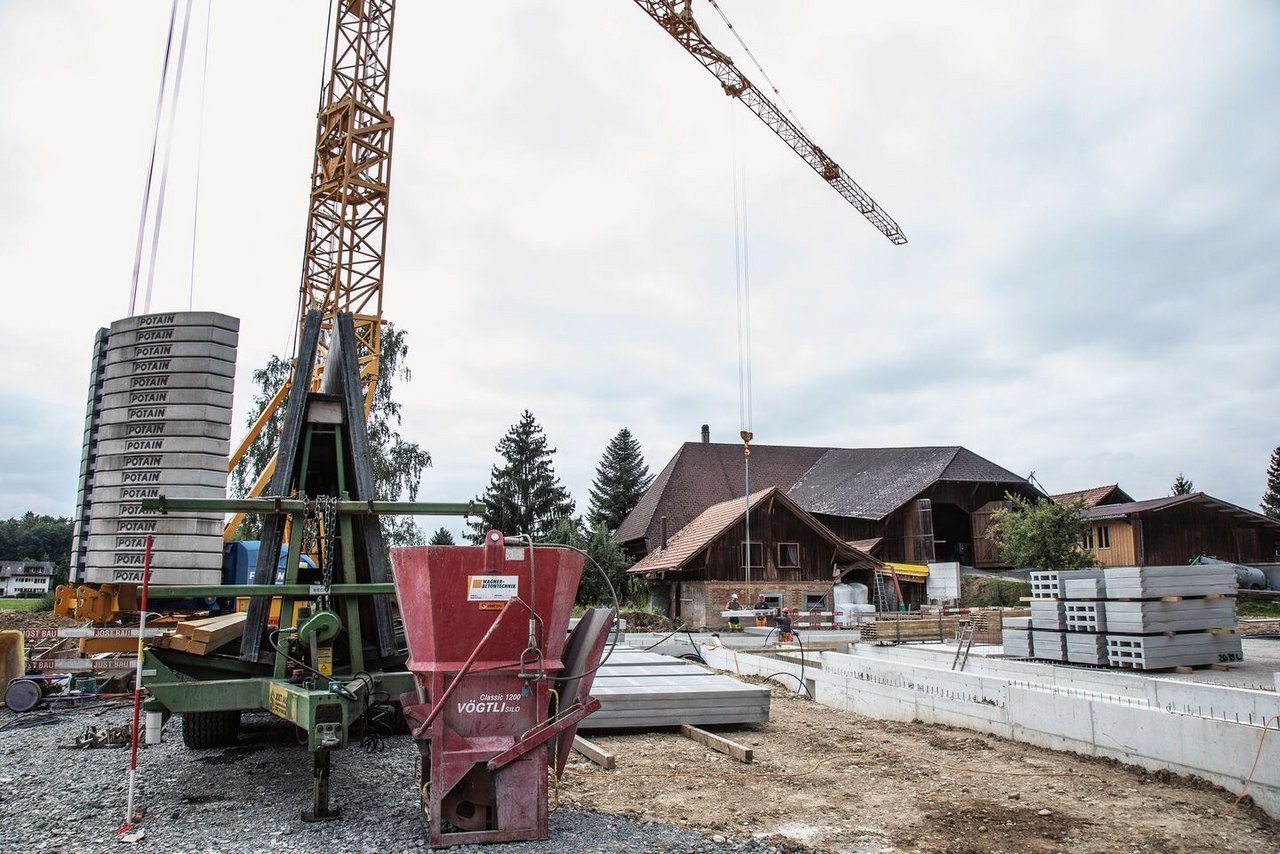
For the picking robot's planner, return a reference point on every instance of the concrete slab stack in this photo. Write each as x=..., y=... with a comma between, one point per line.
x=161, y=425
x=1172, y=616
x=1085, y=616
x=88, y=458
x=1017, y=637
x=639, y=689
x=1049, y=645
x=1049, y=615
x=1160, y=652
x=1087, y=648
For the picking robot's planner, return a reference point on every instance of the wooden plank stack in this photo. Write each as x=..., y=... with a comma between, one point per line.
x=910, y=629
x=203, y=636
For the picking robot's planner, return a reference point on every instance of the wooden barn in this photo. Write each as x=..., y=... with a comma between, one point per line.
x=1173, y=530
x=790, y=557
x=907, y=505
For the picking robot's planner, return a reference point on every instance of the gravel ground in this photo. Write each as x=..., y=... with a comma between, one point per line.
x=247, y=798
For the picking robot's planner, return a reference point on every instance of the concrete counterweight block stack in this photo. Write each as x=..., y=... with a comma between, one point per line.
x=162, y=427
x=1171, y=616
x=1057, y=614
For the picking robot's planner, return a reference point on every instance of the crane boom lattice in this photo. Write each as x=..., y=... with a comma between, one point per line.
x=350, y=183
x=676, y=17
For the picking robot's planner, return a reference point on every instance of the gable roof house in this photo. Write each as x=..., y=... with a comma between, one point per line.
x=794, y=560
x=1109, y=494
x=911, y=505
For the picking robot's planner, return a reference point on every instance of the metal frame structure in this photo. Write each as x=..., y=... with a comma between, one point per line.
x=680, y=23
x=344, y=252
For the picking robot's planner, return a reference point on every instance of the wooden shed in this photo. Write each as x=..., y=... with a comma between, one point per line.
x=1173, y=530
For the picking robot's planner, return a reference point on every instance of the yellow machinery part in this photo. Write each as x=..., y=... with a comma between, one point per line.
x=13, y=656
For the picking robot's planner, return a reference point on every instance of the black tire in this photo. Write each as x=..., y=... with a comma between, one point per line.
x=201, y=730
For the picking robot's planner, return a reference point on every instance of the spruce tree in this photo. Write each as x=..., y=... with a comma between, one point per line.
x=1271, y=500
x=621, y=479
x=524, y=495
x=1182, y=486
x=442, y=537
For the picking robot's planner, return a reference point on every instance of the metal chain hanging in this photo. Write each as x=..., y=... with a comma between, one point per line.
x=327, y=509
x=310, y=529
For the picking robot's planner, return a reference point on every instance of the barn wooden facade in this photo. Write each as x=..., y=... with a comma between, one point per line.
x=1174, y=530
x=791, y=558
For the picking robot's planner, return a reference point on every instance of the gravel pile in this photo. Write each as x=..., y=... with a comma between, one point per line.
x=247, y=798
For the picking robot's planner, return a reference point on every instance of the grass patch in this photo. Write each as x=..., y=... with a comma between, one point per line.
x=987, y=591
x=21, y=604
x=1247, y=607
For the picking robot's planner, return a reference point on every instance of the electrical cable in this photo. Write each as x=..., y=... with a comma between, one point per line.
x=1266, y=725
x=334, y=685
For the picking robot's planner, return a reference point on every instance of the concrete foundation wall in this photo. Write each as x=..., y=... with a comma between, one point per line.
x=1212, y=732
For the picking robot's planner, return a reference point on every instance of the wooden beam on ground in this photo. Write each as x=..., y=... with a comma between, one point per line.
x=715, y=742
x=594, y=752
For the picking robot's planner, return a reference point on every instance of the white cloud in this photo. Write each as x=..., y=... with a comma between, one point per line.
x=1089, y=190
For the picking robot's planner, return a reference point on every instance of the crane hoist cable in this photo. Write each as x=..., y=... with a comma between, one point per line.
x=195, y=205
x=158, y=218
x=151, y=164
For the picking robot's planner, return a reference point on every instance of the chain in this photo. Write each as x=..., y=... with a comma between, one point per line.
x=309, y=530
x=327, y=509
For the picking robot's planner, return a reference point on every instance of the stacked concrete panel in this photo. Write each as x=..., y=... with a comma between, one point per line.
x=88, y=458
x=1156, y=617
x=1159, y=652
x=1049, y=645
x=1048, y=615
x=163, y=427
x=1085, y=616
x=1156, y=582
x=1086, y=648
x=1084, y=586
x=1016, y=635
x=1045, y=585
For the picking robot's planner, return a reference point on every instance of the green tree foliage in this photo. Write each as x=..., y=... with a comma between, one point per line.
x=1271, y=500
x=524, y=495
x=1182, y=486
x=604, y=557
x=1042, y=534
x=621, y=479
x=442, y=537
x=33, y=537
x=397, y=464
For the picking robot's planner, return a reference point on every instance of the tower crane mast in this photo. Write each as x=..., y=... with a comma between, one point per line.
x=345, y=248
x=676, y=17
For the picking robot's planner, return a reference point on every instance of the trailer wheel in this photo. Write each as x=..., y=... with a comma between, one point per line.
x=202, y=730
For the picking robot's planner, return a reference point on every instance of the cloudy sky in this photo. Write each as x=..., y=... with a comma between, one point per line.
x=1090, y=190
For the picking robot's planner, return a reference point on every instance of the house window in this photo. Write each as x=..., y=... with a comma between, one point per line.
x=774, y=600
x=754, y=554
x=789, y=555
x=1104, y=536
x=1088, y=539
x=815, y=601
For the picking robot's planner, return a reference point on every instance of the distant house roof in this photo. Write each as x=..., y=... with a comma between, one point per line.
x=689, y=541
x=1154, y=505
x=871, y=483
x=10, y=568
x=866, y=483
x=1111, y=494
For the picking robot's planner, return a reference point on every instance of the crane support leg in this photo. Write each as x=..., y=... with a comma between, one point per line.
x=320, y=809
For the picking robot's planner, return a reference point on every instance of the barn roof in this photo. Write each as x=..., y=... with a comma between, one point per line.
x=870, y=483
x=866, y=483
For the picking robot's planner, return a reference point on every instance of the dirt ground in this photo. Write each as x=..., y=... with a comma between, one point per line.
x=833, y=781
